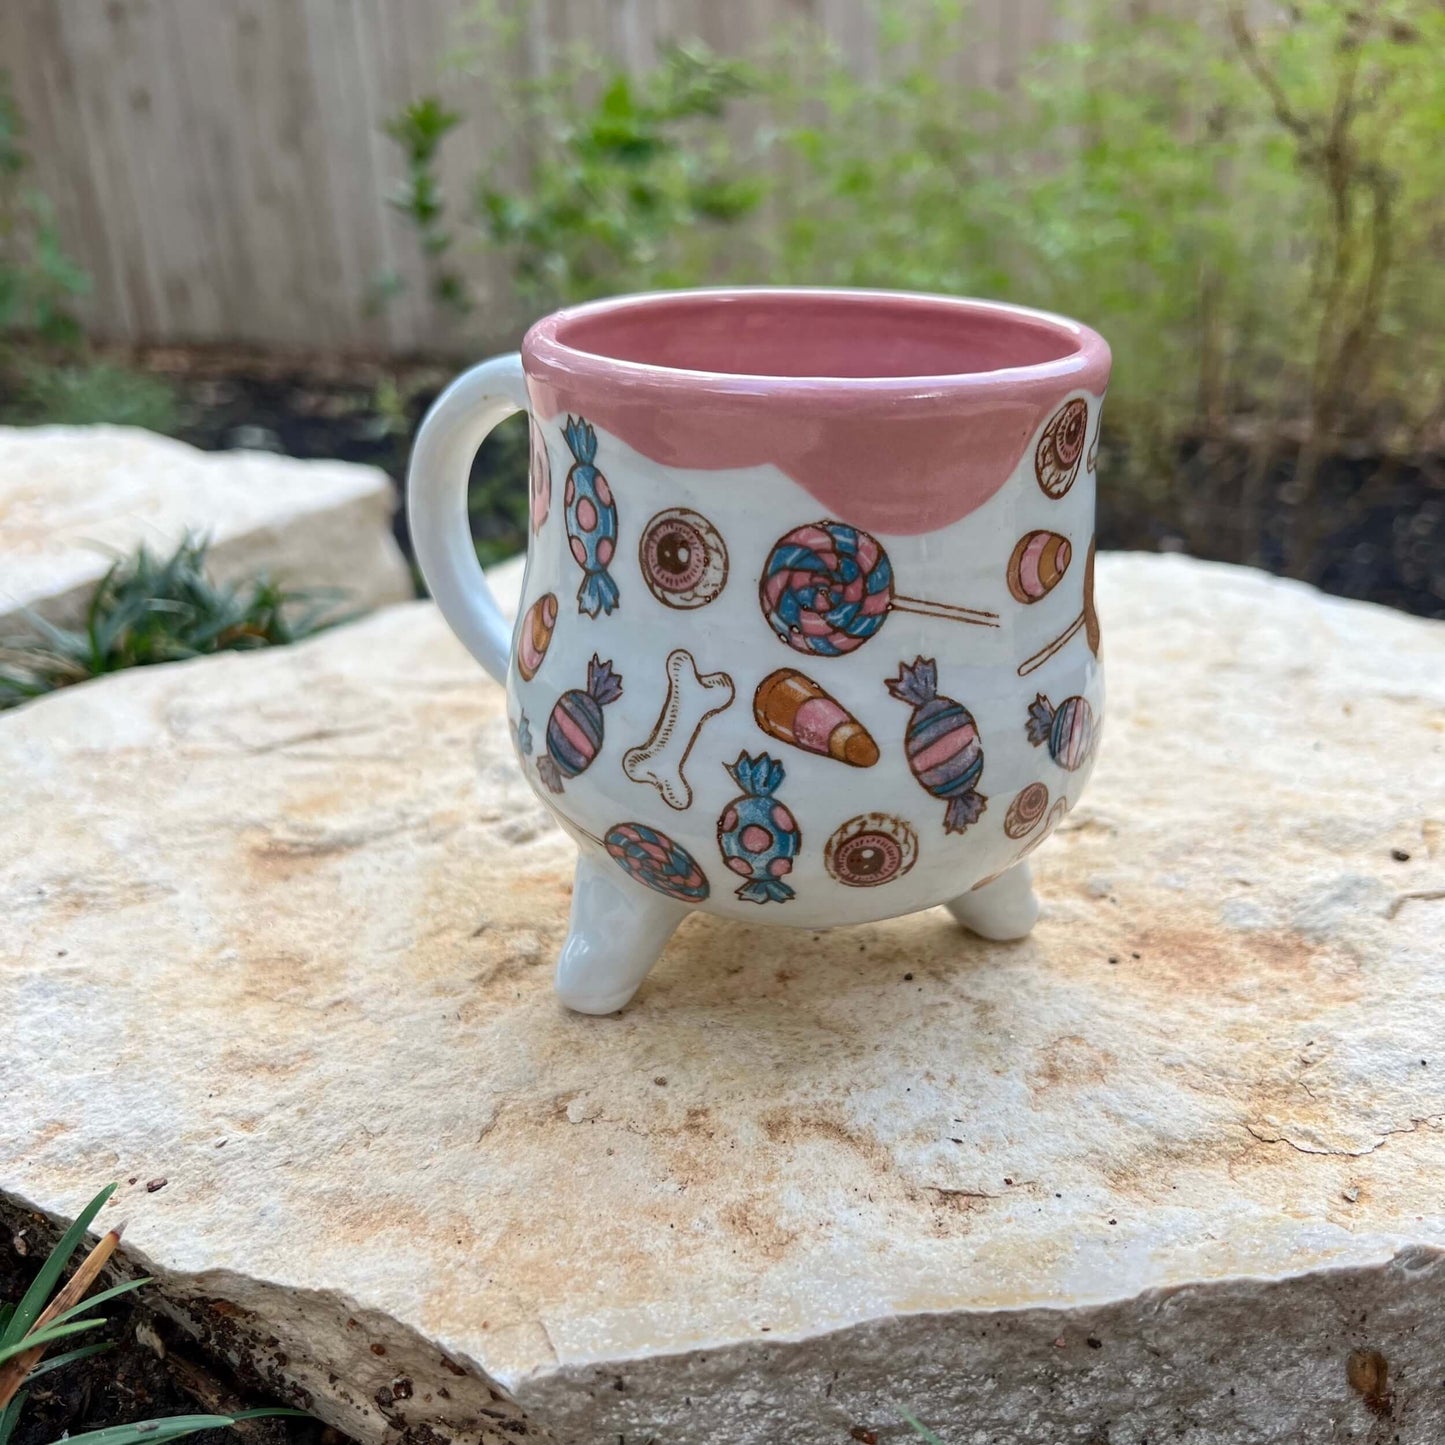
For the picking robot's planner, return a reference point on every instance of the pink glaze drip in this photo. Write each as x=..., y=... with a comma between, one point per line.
x=899, y=413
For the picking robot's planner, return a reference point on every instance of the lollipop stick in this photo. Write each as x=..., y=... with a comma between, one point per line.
x=1042, y=656
x=946, y=611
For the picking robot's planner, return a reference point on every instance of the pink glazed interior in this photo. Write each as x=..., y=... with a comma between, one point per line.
x=900, y=413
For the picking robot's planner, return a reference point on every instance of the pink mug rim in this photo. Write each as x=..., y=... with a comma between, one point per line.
x=1086, y=363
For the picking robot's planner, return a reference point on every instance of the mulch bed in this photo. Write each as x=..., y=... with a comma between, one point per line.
x=152, y=1370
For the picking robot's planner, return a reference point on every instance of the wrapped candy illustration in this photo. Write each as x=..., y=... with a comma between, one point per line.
x=794, y=709
x=574, y=730
x=591, y=521
x=828, y=587
x=942, y=742
x=522, y=737
x=535, y=635
x=652, y=858
x=756, y=833
x=1068, y=729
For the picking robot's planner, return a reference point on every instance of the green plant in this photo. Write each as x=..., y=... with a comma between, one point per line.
x=45, y=373
x=45, y=1316
x=148, y=610
x=631, y=179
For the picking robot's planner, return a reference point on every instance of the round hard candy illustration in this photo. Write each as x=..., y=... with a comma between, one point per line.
x=1061, y=447
x=1026, y=810
x=535, y=635
x=1068, y=730
x=591, y=521
x=683, y=558
x=652, y=858
x=575, y=728
x=944, y=749
x=794, y=709
x=757, y=834
x=1037, y=565
x=539, y=474
x=870, y=850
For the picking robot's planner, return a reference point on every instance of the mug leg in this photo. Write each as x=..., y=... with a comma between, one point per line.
x=1001, y=910
x=614, y=936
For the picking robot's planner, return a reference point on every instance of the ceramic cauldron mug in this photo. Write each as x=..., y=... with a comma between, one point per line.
x=807, y=632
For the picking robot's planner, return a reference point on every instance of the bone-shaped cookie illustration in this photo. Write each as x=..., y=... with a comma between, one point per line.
x=692, y=698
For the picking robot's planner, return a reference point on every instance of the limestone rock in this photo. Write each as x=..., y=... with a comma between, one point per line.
x=71, y=498
x=279, y=929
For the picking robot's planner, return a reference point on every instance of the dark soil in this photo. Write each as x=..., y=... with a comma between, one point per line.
x=1369, y=527
x=152, y=1370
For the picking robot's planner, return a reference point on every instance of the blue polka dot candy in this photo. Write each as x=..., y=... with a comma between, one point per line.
x=757, y=834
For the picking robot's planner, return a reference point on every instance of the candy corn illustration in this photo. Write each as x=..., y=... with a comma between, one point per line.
x=794, y=709
x=942, y=742
x=574, y=730
x=757, y=834
x=591, y=521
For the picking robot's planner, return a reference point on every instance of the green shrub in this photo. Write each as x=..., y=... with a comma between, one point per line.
x=149, y=610
x=1252, y=213
x=46, y=374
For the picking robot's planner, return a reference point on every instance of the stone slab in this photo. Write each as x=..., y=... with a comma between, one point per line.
x=72, y=498
x=279, y=929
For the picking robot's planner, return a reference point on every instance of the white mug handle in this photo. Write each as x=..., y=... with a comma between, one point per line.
x=436, y=503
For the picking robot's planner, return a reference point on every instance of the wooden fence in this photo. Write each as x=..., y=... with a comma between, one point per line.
x=220, y=169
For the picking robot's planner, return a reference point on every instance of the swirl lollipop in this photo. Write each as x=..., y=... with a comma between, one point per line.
x=828, y=587
x=1088, y=619
x=539, y=473
x=651, y=858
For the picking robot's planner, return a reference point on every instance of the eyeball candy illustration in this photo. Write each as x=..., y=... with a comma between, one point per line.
x=1068, y=729
x=1026, y=811
x=757, y=834
x=942, y=742
x=591, y=521
x=870, y=850
x=794, y=709
x=650, y=857
x=575, y=728
x=683, y=559
x=1060, y=448
x=1037, y=566
x=535, y=635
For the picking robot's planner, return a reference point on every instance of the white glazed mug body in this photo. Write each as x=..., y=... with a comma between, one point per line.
x=807, y=648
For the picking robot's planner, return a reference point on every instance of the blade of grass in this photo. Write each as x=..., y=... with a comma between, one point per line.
x=40, y=1339
x=8, y=1417
x=148, y=1432
x=68, y=1299
x=918, y=1427
x=56, y=1362
x=85, y=1306
x=33, y=1300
